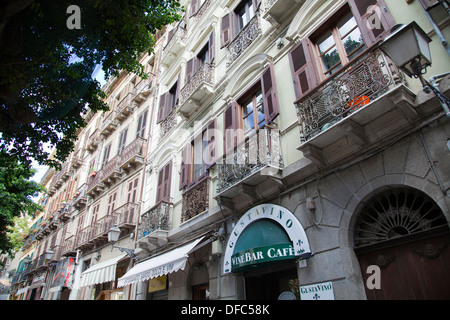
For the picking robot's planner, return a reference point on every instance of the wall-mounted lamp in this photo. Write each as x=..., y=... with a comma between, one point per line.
x=113, y=237
x=408, y=46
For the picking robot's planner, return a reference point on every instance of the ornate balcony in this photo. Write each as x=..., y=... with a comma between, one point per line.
x=142, y=91
x=65, y=212
x=252, y=162
x=154, y=226
x=195, y=200
x=167, y=124
x=68, y=247
x=93, y=141
x=126, y=216
x=111, y=171
x=80, y=199
x=84, y=238
x=125, y=108
x=275, y=11
x=109, y=124
x=244, y=39
x=175, y=44
x=356, y=107
x=201, y=11
x=197, y=91
x=95, y=185
x=101, y=227
x=133, y=154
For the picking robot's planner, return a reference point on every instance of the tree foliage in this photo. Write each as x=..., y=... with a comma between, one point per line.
x=44, y=91
x=16, y=197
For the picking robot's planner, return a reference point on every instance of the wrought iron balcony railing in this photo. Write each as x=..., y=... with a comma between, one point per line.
x=132, y=154
x=157, y=218
x=352, y=88
x=204, y=75
x=195, y=200
x=244, y=38
x=125, y=216
x=259, y=151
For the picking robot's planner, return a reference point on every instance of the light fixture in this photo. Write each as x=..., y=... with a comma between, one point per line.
x=408, y=47
x=113, y=237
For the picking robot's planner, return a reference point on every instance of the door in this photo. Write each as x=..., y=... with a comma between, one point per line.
x=411, y=270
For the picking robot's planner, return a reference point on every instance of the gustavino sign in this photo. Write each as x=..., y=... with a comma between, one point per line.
x=297, y=247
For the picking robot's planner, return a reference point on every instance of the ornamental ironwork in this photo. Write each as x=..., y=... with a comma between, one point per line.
x=204, y=75
x=259, y=151
x=168, y=124
x=244, y=39
x=157, y=218
x=195, y=200
x=344, y=93
x=395, y=213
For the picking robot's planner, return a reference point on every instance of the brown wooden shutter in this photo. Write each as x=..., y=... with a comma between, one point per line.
x=428, y=4
x=373, y=28
x=302, y=67
x=132, y=191
x=162, y=107
x=194, y=7
x=230, y=123
x=211, y=49
x=159, y=191
x=186, y=165
x=167, y=181
x=271, y=106
x=142, y=123
x=211, y=144
x=226, y=30
x=123, y=140
x=189, y=69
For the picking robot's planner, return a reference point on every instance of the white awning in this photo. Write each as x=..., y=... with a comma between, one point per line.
x=166, y=263
x=101, y=272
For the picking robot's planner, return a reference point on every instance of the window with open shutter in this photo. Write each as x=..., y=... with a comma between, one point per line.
x=271, y=107
x=210, y=153
x=122, y=141
x=164, y=183
x=142, y=123
x=95, y=213
x=132, y=190
x=226, y=30
x=106, y=155
x=230, y=126
x=111, y=203
x=302, y=67
x=373, y=18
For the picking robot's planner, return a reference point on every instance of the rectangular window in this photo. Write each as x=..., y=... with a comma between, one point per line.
x=111, y=203
x=132, y=190
x=122, y=140
x=142, y=123
x=164, y=183
x=168, y=102
x=244, y=13
x=340, y=44
x=106, y=155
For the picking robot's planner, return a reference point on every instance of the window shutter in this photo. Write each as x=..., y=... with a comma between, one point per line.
x=271, y=106
x=132, y=191
x=106, y=155
x=226, y=30
x=194, y=7
x=167, y=181
x=189, y=69
x=302, y=67
x=186, y=164
x=211, y=49
x=142, y=123
x=123, y=140
x=229, y=126
x=210, y=158
x=159, y=191
x=374, y=19
x=428, y=4
x=162, y=107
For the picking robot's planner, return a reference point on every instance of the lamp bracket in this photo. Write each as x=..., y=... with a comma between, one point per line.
x=129, y=252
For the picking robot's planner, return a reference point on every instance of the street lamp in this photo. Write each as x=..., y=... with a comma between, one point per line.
x=113, y=237
x=408, y=47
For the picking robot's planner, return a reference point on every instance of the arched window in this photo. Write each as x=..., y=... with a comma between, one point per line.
x=394, y=213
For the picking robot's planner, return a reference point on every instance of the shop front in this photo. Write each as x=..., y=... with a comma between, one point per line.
x=266, y=246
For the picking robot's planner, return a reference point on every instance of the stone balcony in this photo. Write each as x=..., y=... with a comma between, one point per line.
x=111, y=171
x=132, y=155
x=198, y=91
x=79, y=200
x=195, y=199
x=93, y=142
x=125, y=108
x=154, y=226
x=126, y=216
x=355, y=109
x=244, y=39
x=275, y=11
x=175, y=45
x=109, y=125
x=258, y=160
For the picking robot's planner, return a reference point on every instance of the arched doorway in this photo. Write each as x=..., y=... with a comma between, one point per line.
x=403, y=232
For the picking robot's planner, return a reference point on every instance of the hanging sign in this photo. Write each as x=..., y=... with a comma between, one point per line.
x=297, y=248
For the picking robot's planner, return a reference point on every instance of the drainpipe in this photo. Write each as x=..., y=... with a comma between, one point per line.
x=438, y=31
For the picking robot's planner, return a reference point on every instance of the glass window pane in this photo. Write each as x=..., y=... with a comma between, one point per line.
x=260, y=113
x=326, y=42
x=249, y=122
x=346, y=25
x=330, y=59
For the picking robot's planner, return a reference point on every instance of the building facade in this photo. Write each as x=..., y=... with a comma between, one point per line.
x=275, y=152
